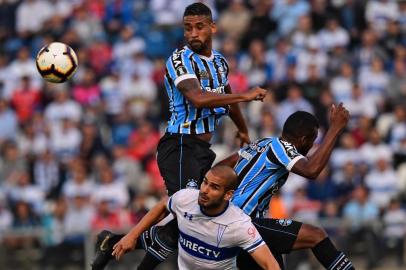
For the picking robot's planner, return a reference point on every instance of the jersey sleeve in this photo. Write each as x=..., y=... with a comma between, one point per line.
x=180, y=67
x=170, y=204
x=249, y=238
x=174, y=202
x=283, y=153
x=180, y=199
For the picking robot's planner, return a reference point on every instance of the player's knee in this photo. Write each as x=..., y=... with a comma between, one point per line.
x=314, y=234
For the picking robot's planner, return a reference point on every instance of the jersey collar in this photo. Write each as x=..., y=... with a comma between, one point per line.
x=213, y=216
x=207, y=58
x=210, y=58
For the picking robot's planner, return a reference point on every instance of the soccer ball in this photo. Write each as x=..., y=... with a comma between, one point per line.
x=57, y=62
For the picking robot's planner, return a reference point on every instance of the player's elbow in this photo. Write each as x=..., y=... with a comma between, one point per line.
x=308, y=171
x=312, y=173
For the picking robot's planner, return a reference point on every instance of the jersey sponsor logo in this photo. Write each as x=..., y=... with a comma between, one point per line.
x=203, y=74
x=258, y=148
x=180, y=71
x=200, y=249
x=246, y=155
x=176, y=58
x=289, y=148
x=284, y=222
x=252, y=232
x=218, y=90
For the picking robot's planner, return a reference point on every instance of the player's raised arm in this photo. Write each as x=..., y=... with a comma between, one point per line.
x=313, y=165
x=129, y=241
x=263, y=256
x=191, y=89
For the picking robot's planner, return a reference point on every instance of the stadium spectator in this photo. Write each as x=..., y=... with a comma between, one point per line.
x=62, y=107
x=394, y=222
x=333, y=35
x=8, y=121
x=361, y=213
x=234, y=20
x=381, y=192
x=110, y=189
x=287, y=14
x=25, y=100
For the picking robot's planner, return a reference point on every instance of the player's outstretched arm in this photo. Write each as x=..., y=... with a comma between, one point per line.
x=312, y=166
x=129, y=241
x=236, y=115
x=263, y=256
x=191, y=89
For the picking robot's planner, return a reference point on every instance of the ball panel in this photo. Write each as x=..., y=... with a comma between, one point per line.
x=53, y=78
x=57, y=59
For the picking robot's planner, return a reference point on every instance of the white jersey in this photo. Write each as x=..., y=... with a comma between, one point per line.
x=211, y=242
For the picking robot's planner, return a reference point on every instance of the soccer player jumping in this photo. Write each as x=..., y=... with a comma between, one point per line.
x=199, y=94
x=263, y=167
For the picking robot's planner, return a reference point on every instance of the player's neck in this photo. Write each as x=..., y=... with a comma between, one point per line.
x=207, y=52
x=214, y=212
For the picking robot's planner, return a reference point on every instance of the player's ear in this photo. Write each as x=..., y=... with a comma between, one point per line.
x=213, y=27
x=302, y=140
x=228, y=195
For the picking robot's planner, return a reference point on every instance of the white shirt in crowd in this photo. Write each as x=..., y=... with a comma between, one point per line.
x=55, y=111
x=115, y=192
x=383, y=186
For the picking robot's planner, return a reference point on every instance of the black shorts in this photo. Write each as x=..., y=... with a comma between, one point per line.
x=183, y=161
x=278, y=234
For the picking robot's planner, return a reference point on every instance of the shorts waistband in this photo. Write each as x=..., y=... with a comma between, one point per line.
x=187, y=137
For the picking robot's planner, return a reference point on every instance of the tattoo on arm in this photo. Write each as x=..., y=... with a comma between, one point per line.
x=188, y=85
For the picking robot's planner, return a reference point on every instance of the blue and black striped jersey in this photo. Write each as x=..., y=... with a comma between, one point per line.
x=262, y=169
x=212, y=74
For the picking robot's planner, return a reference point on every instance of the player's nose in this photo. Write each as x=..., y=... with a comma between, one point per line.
x=194, y=34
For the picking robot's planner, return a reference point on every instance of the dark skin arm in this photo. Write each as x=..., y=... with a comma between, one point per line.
x=236, y=115
x=229, y=161
x=191, y=89
x=313, y=165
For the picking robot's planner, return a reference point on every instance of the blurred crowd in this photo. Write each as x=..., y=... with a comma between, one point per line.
x=80, y=156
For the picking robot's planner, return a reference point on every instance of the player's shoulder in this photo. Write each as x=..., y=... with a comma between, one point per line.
x=182, y=51
x=186, y=196
x=278, y=142
x=282, y=148
x=219, y=54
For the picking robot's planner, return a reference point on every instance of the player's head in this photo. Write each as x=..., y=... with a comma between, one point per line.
x=300, y=129
x=217, y=187
x=198, y=27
